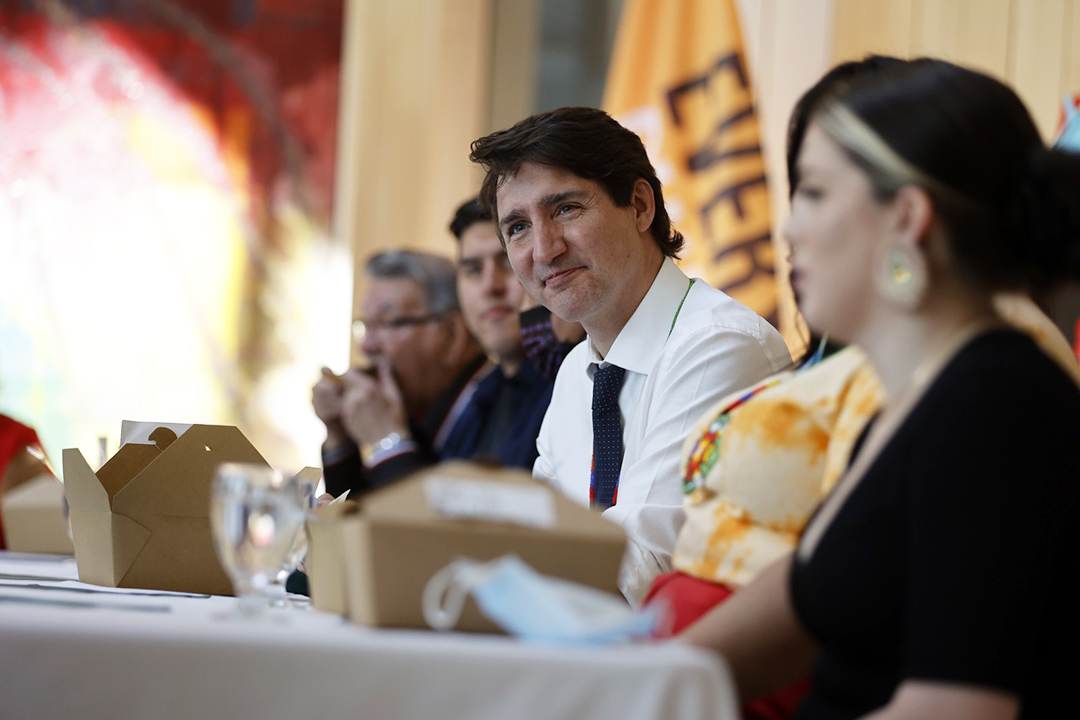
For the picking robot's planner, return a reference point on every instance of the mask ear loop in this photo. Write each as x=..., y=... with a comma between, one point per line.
x=445, y=593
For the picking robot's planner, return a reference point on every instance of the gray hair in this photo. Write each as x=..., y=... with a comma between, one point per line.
x=434, y=273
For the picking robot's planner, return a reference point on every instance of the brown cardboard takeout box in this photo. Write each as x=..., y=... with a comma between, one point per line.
x=142, y=521
x=370, y=560
x=33, y=515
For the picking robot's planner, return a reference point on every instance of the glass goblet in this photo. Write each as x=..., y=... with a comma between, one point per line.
x=304, y=491
x=254, y=519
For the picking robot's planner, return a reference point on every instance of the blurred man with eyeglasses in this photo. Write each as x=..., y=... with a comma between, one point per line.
x=385, y=421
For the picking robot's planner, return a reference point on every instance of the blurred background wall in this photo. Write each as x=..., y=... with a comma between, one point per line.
x=188, y=188
x=166, y=185
x=532, y=55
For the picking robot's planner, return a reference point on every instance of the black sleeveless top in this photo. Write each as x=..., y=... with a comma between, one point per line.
x=955, y=558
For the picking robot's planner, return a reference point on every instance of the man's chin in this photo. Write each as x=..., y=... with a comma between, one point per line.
x=498, y=344
x=566, y=308
x=510, y=352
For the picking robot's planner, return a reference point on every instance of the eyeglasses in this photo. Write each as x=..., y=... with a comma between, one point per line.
x=362, y=326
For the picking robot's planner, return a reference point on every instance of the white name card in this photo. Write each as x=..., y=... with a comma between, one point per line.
x=490, y=502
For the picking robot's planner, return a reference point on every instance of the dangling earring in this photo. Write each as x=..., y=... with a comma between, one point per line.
x=902, y=275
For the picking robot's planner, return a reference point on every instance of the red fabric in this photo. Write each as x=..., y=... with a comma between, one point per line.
x=14, y=436
x=1076, y=339
x=687, y=599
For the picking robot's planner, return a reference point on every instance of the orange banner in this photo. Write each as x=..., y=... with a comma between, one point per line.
x=678, y=78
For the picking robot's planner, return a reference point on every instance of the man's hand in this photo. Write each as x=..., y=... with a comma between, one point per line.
x=326, y=399
x=372, y=407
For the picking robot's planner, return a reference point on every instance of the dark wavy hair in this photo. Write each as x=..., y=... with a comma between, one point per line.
x=798, y=123
x=808, y=103
x=468, y=214
x=587, y=142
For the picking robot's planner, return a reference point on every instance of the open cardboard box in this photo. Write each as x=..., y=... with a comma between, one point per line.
x=142, y=521
x=370, y=560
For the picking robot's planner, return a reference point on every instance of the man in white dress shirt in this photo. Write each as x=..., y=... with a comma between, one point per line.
x=580, y=210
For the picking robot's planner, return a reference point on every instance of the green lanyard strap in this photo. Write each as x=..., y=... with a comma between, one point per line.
x=679, y=309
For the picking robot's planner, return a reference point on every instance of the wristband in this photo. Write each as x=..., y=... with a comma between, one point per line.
x=389, y=446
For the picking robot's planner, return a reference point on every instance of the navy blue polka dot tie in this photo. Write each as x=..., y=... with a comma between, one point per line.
x=607, y=435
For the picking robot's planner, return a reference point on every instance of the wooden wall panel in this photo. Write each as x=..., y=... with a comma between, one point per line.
x=936, y=28
x=803, y=35
x=753, y=24
x=1032, y=44
x=461, y=113
x=788, y=45
x=415, y=91
x=878, y=26
x=970, y=32
x=1028, y=43
x=983, y=35
x=1071, y=73
x=1037, y=47
x=422, y=78
x=515, y=42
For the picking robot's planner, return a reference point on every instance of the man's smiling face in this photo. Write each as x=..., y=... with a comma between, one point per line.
x=574, y=250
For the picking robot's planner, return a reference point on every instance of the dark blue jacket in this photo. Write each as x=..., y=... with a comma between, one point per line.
x=529, y=394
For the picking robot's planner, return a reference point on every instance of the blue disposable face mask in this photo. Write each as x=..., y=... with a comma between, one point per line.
x=535, y=607
x=1069, y=136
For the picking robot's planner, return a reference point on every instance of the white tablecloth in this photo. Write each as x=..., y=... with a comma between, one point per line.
x=67, y=653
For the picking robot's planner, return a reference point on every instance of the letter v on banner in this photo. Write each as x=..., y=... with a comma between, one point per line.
x=678, y=78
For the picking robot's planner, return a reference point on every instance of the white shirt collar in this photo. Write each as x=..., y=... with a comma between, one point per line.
x=638, y=344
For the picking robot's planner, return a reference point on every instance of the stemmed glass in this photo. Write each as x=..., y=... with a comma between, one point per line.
x=255, y=517
x=304, y=491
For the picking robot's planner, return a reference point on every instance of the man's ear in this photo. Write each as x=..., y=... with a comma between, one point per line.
x=643, y=201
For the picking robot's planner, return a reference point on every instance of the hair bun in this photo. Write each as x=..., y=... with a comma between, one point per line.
x=1049, y=208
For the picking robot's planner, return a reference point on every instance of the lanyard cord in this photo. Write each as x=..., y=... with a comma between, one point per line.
x=679, y=309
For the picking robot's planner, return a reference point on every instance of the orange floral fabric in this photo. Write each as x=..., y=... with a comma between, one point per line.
x=758, y=464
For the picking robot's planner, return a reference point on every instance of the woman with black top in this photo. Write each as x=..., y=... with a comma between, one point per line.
x=940, y=577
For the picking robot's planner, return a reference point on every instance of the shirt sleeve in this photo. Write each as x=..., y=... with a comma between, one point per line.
x=544, y=468
x=704, y=366
x=345, y=471
x=342, y=469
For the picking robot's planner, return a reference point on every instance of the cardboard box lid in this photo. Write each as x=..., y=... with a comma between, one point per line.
x=160, y=469
x=86, y=491
x=161, y=489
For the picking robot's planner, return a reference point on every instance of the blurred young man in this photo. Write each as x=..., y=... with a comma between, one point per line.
x=580, y=211
x=503, y=417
